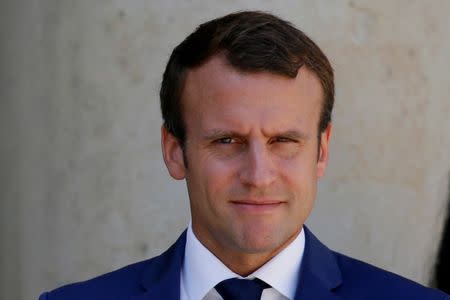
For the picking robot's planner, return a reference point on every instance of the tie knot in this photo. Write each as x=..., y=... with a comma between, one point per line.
x=240, y=289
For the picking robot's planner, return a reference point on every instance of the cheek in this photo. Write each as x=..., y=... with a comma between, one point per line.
x=303, y=169
x=300, y=178
x=217, y=176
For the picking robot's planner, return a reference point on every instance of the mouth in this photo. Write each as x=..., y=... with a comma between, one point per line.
x=256, y=206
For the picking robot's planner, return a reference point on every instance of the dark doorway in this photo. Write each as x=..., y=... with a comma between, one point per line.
x=442, y=272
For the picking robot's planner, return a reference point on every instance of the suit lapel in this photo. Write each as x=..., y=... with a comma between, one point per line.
x=320, y=273
x=161, y=278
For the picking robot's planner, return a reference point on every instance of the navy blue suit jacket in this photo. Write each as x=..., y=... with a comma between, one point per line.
x=324, y=275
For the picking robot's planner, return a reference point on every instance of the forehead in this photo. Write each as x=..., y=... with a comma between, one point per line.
x=218, y=89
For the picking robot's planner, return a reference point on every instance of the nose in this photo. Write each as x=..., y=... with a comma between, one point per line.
x=258, y=168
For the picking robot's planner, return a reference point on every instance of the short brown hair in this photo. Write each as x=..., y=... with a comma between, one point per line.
x=251, y=41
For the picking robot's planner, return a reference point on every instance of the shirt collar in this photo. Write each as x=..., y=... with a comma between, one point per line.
x=282, y=271
x=202, y=271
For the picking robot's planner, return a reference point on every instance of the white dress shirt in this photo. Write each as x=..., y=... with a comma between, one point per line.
x=201, y=271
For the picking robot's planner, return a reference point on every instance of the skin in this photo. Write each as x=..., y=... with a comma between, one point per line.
x=252, y=157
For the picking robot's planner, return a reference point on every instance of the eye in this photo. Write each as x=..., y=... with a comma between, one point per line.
x=282, y=139
x=225, y=140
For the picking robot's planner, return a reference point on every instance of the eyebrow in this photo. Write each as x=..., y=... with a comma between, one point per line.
x=292, y=134
x=215, y=133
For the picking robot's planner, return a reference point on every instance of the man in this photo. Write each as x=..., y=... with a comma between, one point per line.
x=246, y=101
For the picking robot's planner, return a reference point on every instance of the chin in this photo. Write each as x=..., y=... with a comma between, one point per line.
x=264, y=242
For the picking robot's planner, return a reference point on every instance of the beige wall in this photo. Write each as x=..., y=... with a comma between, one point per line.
x=84, y=189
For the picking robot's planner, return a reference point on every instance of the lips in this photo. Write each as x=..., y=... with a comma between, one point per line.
x=256, y=206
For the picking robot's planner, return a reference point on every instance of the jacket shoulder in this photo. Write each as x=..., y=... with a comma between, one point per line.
x=129, y=281
x=112, y=285
x=365, y=281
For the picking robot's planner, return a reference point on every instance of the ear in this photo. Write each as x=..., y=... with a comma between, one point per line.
x=172, y=154
x=323, y=150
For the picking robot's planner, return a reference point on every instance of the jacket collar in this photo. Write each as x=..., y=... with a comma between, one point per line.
x=319, y=273
x=161, y=278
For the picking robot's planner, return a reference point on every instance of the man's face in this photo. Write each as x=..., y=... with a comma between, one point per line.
x=252, y=159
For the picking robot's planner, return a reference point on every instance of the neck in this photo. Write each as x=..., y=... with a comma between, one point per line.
x=240, y=261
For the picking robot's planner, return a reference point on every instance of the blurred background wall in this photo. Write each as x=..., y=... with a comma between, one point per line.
x=83, y=187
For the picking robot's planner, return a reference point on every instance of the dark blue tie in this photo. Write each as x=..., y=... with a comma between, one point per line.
x=241, y=289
